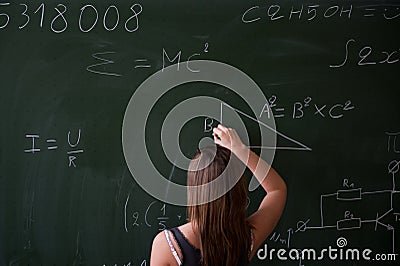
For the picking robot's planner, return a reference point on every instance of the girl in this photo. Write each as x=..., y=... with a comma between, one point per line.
x=218, y=232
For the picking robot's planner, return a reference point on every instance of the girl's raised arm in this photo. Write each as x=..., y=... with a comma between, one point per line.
x=271, y=207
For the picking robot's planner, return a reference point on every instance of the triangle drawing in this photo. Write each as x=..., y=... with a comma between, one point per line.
x=298, y=145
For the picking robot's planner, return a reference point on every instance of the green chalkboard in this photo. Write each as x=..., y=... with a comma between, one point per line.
x=329, y=72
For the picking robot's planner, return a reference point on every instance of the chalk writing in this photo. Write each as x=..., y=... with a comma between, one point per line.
x=313, y=12
x=394, y=164
x=368, y=56
x=280, y=238
x=387, y=11
x=60, y=15
x=209, y=123
x=392, y=145
x=346, y=199
x=105, y=63
x=100, y=66
x=308, y=106
x=59, y=22
x=154, y=216
x=275, y=12
x=161, y=219
x=141, y=63
x=177, y=59
x=72, y=153
x=130, y=263
x=4, y=16
x=51, y=143
x=340, y=210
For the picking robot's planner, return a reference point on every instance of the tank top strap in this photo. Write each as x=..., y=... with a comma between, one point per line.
x=171, y=246
x=252, y=242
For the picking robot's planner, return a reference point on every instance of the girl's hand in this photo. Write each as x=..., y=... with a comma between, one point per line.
x=227, y=138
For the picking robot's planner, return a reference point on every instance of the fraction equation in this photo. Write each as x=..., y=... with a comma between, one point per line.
x=157, y=215
x=50, y=145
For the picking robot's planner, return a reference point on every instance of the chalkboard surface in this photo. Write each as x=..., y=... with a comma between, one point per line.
x=68, y=69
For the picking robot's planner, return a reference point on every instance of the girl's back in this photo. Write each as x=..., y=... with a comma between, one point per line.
x=218, y=232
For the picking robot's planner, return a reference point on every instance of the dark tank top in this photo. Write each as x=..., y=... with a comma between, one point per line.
x=191, y=255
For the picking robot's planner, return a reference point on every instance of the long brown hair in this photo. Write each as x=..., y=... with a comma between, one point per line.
x=221, y=223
